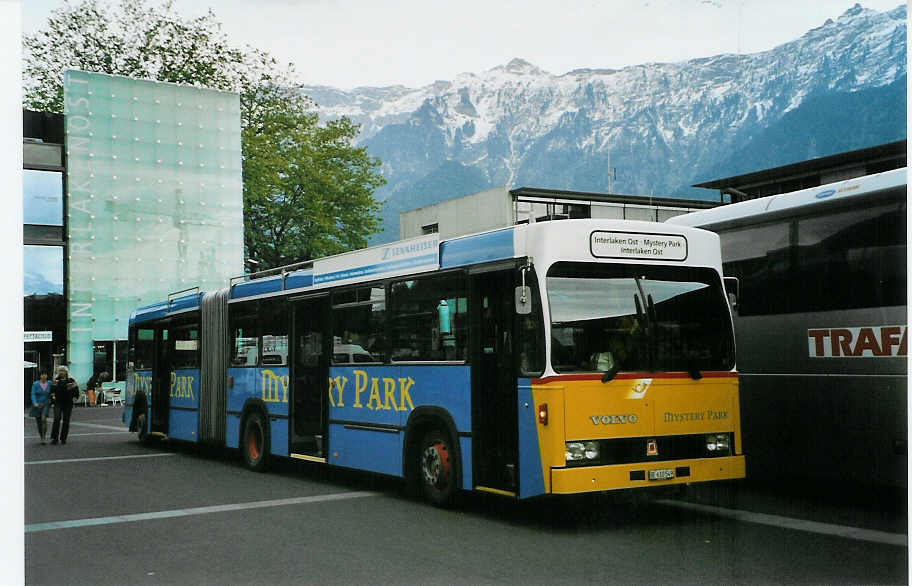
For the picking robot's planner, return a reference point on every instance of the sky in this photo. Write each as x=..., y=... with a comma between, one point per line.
x=351, y=43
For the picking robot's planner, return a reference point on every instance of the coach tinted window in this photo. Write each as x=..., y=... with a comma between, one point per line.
x=761, y=258
x=844, y=258
x=852, y=259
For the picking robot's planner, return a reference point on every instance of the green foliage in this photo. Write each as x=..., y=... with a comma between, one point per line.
x=307, y=189
x=308, y=179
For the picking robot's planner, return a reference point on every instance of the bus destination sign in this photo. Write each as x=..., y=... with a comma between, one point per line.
x=638, y=245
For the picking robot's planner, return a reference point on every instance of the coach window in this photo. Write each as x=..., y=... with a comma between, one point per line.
x=274, y=334
x=428, y=318
x=186, y=342
x=358, y=325
x=761, y=258
x=244, y=323
x=142, y=348
x=850, y=259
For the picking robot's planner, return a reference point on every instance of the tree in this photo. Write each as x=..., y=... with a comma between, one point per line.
x=307, y=189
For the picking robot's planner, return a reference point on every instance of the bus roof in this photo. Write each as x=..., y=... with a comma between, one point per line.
x=172, y=306
x=573, y=240
x=806, y=198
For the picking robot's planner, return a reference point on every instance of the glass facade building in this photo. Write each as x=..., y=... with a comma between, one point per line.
x=144, y=199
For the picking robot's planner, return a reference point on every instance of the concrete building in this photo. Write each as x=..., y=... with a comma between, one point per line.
x=133, y=194
x=501, y=206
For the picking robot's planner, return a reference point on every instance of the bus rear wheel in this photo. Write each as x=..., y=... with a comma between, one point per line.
x=255, y=442
x=436, y=468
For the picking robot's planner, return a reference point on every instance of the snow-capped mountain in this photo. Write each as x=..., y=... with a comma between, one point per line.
x=654, y=128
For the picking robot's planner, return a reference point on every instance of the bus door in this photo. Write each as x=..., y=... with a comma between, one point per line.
x=161, y=382
x=493, y=380
x=310, y=375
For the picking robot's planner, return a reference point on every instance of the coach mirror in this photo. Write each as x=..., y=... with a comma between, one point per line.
x=731, y=291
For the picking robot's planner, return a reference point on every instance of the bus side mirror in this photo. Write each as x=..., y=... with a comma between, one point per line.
x=732, y=290
x=523, y=299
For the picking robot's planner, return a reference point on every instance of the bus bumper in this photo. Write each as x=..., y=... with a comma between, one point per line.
x=621, y=476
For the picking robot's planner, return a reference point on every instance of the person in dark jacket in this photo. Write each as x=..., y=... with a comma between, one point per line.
x=63, y=392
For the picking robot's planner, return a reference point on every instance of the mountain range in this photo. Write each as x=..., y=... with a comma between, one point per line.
x=650, y=129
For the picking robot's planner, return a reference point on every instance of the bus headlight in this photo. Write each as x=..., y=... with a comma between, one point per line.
x=718, y=442
x=579, y=451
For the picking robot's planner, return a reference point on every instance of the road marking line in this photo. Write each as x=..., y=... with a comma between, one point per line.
x=98, y=426
x=83, y=424
x=31, y=437
x=796, y=524
x=99, y=459
x=36, y=527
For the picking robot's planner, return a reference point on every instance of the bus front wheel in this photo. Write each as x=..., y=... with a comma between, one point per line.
x=436, y=468
x=255, y=442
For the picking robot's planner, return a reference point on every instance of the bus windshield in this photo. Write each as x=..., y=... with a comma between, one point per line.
x=613, y=317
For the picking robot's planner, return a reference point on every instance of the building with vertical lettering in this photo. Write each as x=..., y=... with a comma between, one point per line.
x=133, y=194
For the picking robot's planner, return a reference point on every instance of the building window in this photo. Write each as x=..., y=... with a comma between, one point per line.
x=430, y=229
x=43, y=270
x=42, y=197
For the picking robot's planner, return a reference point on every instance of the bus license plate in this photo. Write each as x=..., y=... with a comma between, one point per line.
x=664, y=474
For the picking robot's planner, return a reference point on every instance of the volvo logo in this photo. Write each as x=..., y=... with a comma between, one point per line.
x=613, y=419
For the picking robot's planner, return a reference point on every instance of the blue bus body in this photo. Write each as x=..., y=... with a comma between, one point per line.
x=420, y=359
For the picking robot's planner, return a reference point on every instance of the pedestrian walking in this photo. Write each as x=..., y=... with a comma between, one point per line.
x=41, y=398
x=63, y=391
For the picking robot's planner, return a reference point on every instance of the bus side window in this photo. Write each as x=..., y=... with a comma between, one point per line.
x=143, y=348
x=358, y=317
x=244, y=326
x=185, y=349
x=429, y=318
x=530, y=332
x=274, y=325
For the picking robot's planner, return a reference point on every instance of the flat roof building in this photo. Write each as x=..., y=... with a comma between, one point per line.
x=501, y=206
x=811, y=173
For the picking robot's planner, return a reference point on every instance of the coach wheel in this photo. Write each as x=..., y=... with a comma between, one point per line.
x=255, y=442
x=141, y=432
x=436, y=468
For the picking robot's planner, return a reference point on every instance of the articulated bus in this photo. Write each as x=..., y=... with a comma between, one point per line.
x=549, y=358
x=821, y=328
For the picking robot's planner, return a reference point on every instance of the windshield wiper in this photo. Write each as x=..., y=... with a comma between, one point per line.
x=609, y=374
x=692, y=369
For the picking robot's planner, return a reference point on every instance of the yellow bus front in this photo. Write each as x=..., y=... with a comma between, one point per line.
x=637, y=431
x=640, y=388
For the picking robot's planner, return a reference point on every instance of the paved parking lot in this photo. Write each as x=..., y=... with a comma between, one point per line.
x=123, y=512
